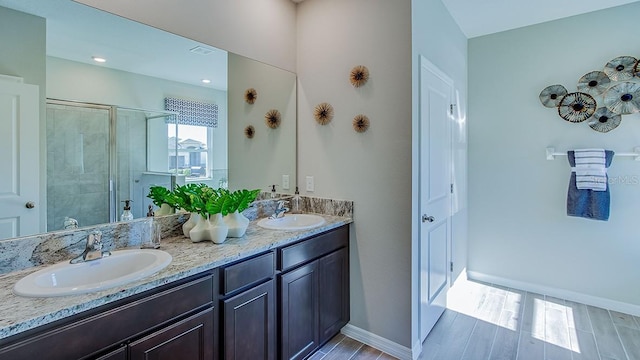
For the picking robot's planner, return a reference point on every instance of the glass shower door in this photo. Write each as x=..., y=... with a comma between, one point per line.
x=78, y=163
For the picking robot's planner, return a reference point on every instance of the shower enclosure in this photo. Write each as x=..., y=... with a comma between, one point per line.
x=100, y=155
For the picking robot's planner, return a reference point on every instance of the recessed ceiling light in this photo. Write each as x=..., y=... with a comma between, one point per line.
x=99, y=59
x=206, y=81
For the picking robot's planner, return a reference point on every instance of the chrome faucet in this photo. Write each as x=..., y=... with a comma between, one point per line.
x=92, y=250
x=280, y=210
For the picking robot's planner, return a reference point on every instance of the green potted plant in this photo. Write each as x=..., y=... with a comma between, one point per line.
x=183, y=201
x=189, y=197
x=163, y=199
x=206, y=206
x=239, y=201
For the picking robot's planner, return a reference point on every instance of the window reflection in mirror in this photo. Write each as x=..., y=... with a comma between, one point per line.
x=192, y=154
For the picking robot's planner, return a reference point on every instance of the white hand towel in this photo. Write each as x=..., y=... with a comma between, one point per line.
x=591, y=170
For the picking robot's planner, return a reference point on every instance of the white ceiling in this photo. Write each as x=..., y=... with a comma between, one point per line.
x=78, y=32
x=482, y=17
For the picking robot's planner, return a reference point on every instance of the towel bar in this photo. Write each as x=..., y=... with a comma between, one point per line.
x=551, y=153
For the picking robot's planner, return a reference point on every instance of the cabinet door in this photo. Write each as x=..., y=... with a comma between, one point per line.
x=333, y=270
x=249, y=324
x=189, y=339
x=299, y=312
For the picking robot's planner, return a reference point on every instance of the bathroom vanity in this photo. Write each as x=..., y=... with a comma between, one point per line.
x=268, y=295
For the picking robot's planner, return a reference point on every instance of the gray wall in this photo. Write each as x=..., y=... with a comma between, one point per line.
x=520, y=234
x=256, y=163
x=372, y=168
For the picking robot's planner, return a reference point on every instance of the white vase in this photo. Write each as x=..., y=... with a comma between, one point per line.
x=200, y=232
x=218, y=230
x=237, y=224
x=190, y=223
x=165, y=209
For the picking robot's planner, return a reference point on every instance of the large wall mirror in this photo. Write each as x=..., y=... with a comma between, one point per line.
x=160, y=110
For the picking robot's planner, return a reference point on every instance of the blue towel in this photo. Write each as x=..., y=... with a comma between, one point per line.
x=588, y=204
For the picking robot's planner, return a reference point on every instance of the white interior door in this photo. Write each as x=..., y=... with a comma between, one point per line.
x=19, y=156
x=435, y=193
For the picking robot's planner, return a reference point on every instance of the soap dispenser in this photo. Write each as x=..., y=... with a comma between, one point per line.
x=273, y=191
x=295, y=202
x=126, y=213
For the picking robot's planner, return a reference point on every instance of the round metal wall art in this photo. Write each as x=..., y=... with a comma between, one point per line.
x=323, y=113
x=361, y=123
x=551, y=95
x=250, y=96
x=249, y=132
x=359, y=75
x=623, y=98
x=603, y=120
x=272, y=118
x=576, y=107
x=621, y=68
x=594, y=83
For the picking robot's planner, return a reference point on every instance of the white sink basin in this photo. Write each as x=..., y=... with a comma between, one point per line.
x=123, y=266
x=292, y=222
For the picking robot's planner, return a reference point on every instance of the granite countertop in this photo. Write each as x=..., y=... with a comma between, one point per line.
x=19, y=314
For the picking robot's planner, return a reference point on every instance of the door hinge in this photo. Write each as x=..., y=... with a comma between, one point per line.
x=451, y=266
x=451, y=188
x=451, y=106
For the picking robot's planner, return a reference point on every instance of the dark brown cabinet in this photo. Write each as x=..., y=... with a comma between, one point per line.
x=299, y=312
x=106, y=333
x=314, y=293
x=189, y=339
x=249, y=324
x=283, y=303
x=334, y=293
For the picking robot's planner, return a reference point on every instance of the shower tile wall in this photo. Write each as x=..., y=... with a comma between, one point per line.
x=131, y=142
x=77, y=165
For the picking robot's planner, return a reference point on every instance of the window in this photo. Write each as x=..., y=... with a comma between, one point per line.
x=190, y=151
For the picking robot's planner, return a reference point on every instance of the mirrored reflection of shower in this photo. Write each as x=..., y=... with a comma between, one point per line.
x=97, y=156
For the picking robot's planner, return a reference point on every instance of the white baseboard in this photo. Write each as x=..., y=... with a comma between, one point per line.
x=380, y=343
x=558, y=293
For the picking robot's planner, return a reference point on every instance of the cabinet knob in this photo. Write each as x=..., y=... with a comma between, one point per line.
x=30, y=205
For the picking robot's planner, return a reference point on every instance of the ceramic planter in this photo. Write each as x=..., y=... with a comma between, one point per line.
x=218, y=230
x=165, y=209
x=190, y=223
x=210, y=228
x=237, y=224
x=200, y=232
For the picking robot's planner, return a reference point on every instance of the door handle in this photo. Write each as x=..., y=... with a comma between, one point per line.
x=30, y=205
x=426, y=218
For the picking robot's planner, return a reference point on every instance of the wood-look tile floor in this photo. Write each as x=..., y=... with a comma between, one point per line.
x=341, y=347
x=485, y=321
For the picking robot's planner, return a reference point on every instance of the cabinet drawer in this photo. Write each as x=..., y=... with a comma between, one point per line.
x=297, y=254
x=247, y=272
x=112, y=326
